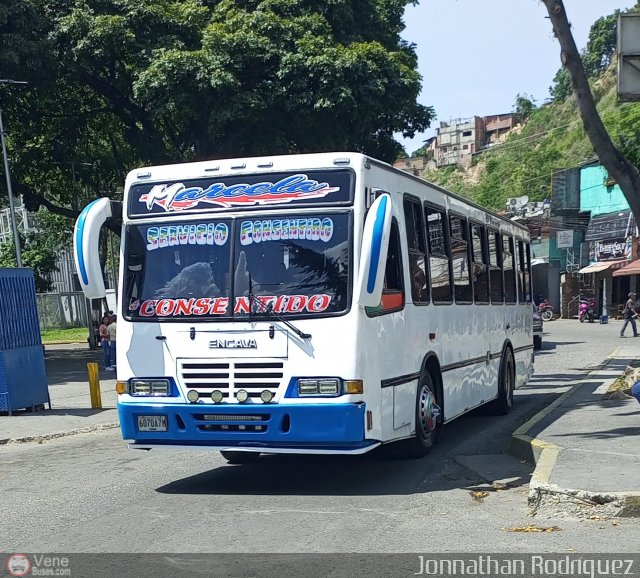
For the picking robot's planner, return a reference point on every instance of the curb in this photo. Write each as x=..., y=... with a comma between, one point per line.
x=46, y=437
x=545, y=455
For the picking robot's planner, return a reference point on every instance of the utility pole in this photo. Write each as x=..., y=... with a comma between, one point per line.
x=12, y=209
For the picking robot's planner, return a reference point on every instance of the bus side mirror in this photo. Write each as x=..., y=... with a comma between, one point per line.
x=373, y=254
x=86, y=238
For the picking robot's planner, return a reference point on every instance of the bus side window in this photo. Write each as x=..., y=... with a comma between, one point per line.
x=414, y=226
x=509, y=270
x=480, y=266
x=460, y=259
x=439, y=255
x=393, y=289
x=521, y=267
x=527, y=273
x=495, y=266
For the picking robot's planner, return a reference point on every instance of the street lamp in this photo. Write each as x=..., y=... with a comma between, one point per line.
x=12, y=209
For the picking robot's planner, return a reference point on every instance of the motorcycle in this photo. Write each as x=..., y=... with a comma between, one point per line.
x=546, y=310
x=587, y=310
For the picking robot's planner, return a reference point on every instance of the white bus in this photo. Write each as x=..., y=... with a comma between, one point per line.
x=321, y=303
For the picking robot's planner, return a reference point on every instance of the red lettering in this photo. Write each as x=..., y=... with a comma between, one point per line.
x=295, y=303
x=183, y=306
x=242, y=305
x=147, y=308
x=219, y=306
x=201, y=306
x=165, y=307
x=318, y=303
x=280, y=301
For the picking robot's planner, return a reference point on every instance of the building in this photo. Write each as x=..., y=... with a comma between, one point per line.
x=459, y=139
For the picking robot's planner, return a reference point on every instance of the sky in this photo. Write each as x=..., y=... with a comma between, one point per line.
x=475, y=56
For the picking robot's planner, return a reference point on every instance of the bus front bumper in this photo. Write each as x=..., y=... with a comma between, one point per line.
x=270, y=428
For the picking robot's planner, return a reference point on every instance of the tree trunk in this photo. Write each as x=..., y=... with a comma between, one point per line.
x=624, y=173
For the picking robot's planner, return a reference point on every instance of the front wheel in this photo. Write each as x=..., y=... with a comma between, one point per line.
x=240, y=457
x=428, y=422
x=547, y=315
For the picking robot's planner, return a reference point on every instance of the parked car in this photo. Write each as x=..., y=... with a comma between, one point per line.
x=537, y=328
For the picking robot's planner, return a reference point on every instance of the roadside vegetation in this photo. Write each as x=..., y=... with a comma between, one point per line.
x=71, y=335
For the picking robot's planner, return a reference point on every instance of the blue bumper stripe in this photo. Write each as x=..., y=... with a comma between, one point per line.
x=280, y=425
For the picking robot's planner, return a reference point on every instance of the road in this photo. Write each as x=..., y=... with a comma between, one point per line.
x=89, y=493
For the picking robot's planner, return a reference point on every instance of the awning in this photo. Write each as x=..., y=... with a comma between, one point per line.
x=632, y=268
x=603, y=266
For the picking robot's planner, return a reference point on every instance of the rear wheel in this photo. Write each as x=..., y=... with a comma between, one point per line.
x=240, y=457
x=547, y=315
x=428, y=422
x=506, y=383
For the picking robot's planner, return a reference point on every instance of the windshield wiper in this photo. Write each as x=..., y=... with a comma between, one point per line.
x=268, y=311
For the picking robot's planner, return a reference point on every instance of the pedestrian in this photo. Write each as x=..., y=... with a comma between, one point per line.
x=629, y=315
x=112, y=327
x=104, y=341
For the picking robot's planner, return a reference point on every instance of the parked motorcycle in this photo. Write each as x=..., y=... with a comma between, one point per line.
x=546, y=310
x=587, y=310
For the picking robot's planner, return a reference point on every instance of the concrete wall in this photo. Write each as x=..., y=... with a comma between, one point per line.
x=595, y=196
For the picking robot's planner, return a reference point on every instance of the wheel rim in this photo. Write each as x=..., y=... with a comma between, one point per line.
x=428, y=417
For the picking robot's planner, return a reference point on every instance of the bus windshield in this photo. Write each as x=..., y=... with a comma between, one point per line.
x=293, y=265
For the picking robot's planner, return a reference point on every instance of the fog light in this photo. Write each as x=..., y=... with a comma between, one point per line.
x=242, y=396
x=266, y=396
x=216, y=396
x=193, y=395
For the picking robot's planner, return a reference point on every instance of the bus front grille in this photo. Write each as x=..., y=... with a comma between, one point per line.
x=230, y=376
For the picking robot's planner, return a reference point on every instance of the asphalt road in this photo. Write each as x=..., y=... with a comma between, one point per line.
x=89, y=493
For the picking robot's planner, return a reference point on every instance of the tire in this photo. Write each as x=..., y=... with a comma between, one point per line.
x=537, y=342
x=504, y=402
x=547, y=315
x=582, y=319
x=428, y=422
x=240, y=457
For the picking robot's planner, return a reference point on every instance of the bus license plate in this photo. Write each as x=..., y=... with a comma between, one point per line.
x=152, y=423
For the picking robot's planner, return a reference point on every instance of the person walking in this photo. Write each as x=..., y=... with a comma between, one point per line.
x=112, y=328
x=629, y=315
x=103, y=334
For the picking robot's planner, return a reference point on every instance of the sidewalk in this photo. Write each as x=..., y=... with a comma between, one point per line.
x=586, y=446
x=66, y=367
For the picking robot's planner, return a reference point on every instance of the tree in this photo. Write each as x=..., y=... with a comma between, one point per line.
x=625, y=174
x=524, y=106
x=125, y=83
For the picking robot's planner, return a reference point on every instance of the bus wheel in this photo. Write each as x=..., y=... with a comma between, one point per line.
x=241, y=457
x=427, y=421
x=504, y=402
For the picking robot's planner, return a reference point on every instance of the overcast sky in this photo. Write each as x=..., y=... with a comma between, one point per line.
x=475, y=56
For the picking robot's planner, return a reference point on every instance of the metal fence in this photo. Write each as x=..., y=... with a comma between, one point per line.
x=62, y=310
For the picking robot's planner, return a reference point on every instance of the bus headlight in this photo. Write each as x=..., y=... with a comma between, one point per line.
x=193, y=395
x=242, y=396
x=266, y=396
x=309, y=387
x=156, y=387
x=216, y=396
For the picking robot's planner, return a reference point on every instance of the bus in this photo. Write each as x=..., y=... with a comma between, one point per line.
x=308, y=304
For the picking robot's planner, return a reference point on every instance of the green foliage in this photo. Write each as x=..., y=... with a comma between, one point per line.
x=125, y=83
x=524, y=106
